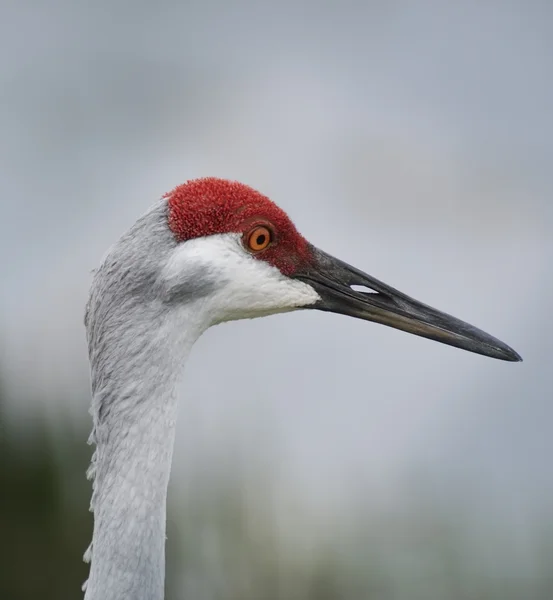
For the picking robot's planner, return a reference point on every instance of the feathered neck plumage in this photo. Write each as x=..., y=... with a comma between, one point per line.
x=137, y=347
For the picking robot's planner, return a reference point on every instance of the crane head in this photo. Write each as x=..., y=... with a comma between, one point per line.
x=240, y=256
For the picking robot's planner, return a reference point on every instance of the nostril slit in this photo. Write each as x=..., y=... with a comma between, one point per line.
x=363, y=289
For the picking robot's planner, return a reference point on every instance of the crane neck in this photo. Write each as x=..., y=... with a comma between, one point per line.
x=137, y=354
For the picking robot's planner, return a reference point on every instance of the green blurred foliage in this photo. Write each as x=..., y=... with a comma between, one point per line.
x=44, y=526
x=234, y=548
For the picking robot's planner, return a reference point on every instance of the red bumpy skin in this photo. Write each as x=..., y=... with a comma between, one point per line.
x=209, y=206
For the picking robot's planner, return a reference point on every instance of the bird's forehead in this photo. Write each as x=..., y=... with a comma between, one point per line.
x=209, y=206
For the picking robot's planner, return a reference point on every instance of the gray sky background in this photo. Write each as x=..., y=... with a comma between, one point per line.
x=414, y=140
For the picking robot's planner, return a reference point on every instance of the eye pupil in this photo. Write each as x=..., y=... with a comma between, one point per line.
x=260, y=240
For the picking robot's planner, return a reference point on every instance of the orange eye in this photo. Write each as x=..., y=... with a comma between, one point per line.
x=259, y=238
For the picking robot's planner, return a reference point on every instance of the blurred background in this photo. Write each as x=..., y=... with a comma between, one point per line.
x=413, y=140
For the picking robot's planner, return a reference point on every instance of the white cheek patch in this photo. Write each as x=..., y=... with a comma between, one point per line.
x=234, y=284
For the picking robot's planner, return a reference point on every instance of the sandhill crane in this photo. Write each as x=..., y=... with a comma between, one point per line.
x=209, y=251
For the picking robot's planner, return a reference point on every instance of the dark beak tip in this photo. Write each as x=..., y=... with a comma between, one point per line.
x=514, y=356
x=506, y=353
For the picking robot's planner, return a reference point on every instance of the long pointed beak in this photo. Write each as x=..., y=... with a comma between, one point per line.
x=333, y=281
